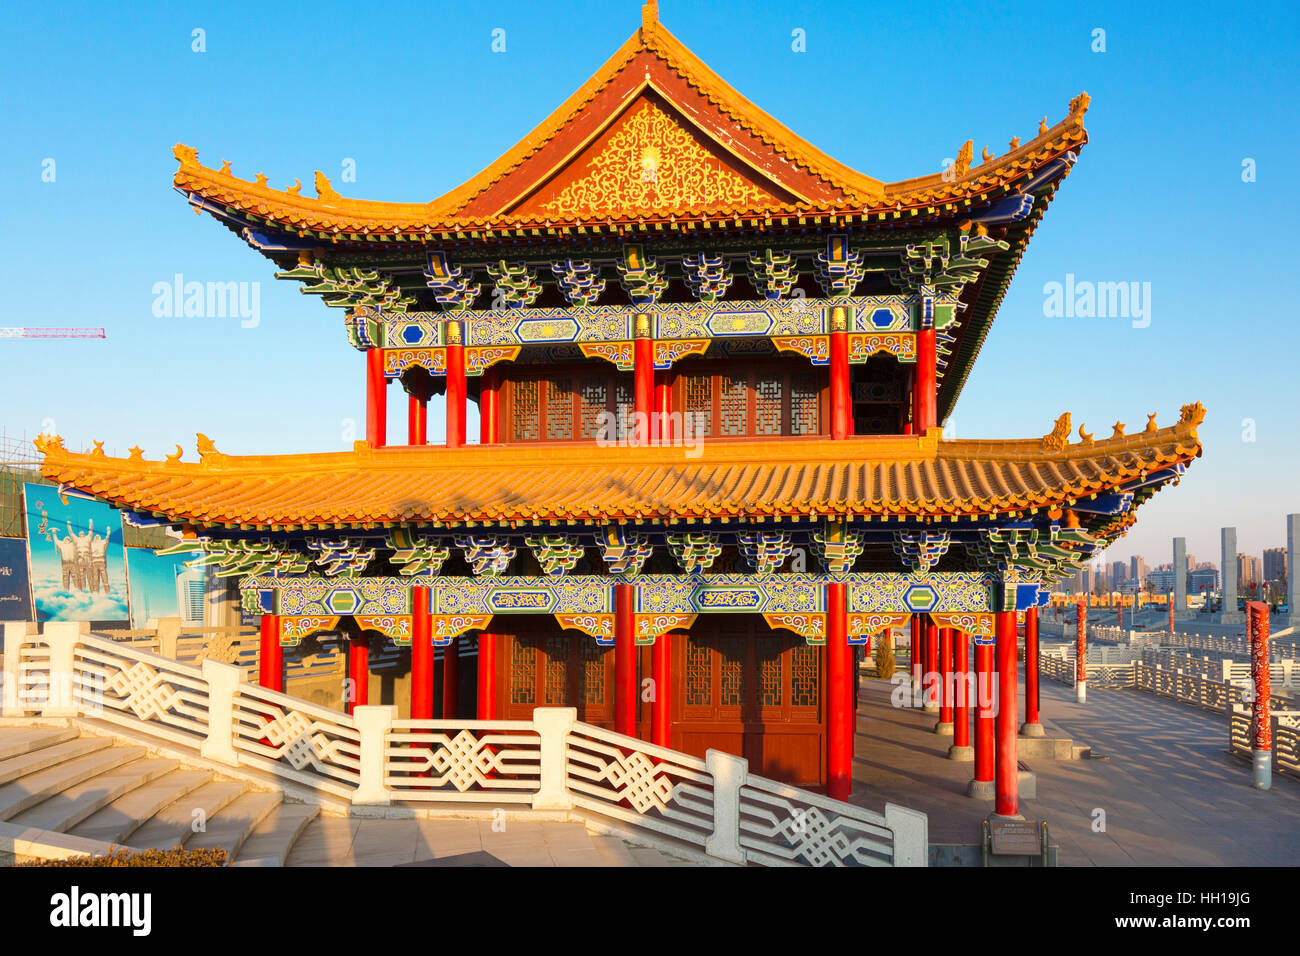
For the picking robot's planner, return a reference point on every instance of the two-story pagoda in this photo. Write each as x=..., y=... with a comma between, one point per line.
x=710, y=364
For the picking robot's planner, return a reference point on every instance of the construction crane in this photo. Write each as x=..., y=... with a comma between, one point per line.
x=38, y=333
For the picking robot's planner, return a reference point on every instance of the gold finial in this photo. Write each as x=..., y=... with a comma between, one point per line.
x=225, y=167
x=176, y=455
x=1042, y=126
x=261, y=179
x=187, y=155
x=1085, y=437
x=48, y=443
x=205, y=446
x=295, y=188
x=1151, y=422
x=1192, y=414
x=98, y=450
x=1059, y=436
x=1079, y=105
x=323, y=188
x=962, y=166
x=987, y=154
x=649, y=14
x=1119, y=430
x=137, y=453
x=1015, y=142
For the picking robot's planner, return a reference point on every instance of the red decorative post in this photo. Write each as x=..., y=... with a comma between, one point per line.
x=417, y=415
x=931, y=679
x=1081, y=652
x=840, y=722
x=358, y=670
x=455, y=383
x=1261, y=719
x=487, y=676
x=1171, y=613
x=1031, y=726
x=451, y=680
x=487, y=407
x=661, y=709
x=924, y=402
x=944, y=726
x=961, y=748
x=841, y=398
x=376, y=399
x=421, y=655
x=643, y=383
x=625, y=659
x=270, y=659
x=1007, y=798
x=981, y=786
x=663, y=407
x=914, y=654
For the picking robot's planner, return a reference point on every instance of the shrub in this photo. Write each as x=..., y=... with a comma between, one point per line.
x=884, y=657
x=176, y=856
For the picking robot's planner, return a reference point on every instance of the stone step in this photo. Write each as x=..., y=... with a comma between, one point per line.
x=272, y=839
x=117, y=821
x=173, y=825
x=65, y=810
x=21, y=740
x=648, y=856
x=233, y=824
x=28, y=791
x=23, y=764
x=613, y=851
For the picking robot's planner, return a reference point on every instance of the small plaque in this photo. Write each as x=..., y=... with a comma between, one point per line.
x=1015, y=838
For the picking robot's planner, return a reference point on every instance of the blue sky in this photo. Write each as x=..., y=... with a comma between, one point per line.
x=415, y=96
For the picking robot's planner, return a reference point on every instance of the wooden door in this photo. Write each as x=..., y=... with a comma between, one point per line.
x=546, y=666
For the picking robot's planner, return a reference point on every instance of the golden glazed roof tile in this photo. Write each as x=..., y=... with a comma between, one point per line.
x=789, y=478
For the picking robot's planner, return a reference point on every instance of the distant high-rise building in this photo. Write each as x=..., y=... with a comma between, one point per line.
x=1137, y=568
x=1118, y=572
x=1247, y=572
x=1274, y=564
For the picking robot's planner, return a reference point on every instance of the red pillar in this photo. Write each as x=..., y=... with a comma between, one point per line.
x=841, y=399
x=643, y=356
x=917, y=659
x=924, y=402
x=663, y=407
x=1261, y=720
x=960, y=749
x=487, y=676
x=487, y=407
x=931, y=679
x=661, y=728
x=1031, y=728
x=417, y=417
x=1007, y=799
x=270, y=660
x=840, y=717
x=945, y=681
x=359, y=670
x=451, y=679
x=455, y=384
x=625, y=659
x=1081, y=652
x=985, y=699
x=421, y=655
x=376, y=399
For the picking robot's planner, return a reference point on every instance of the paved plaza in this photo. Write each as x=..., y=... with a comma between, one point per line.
x=1171, y=794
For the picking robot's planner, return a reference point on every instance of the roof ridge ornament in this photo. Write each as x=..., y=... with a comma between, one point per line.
x=650, y=15
x=1059, y=436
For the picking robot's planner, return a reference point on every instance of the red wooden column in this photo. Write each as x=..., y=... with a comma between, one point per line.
x=421, y=655
x=270, y=659
x=643, y=357
x=1081, y=652
x=1171, y=612
x=961, y=748
x=487, y=676
x=1007, y=795
x=625, y=659
x=661, y=716
x=924, y=401
x=1261, y=720
x=359, y=670
x=417, y=415
x=918, y=660
x=488, y=392
x=840, y=676
x=376, y=399
x=454, y=338
x=841, y=398
x=663, y=408
x=1031, y=726
x=985, y=702
x=944, y=726
x=931, y=679
x=451, y=679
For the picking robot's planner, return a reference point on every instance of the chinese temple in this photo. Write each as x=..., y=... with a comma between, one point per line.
x=711, y=366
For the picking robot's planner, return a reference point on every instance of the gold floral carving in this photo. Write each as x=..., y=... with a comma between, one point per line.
x=652, y=164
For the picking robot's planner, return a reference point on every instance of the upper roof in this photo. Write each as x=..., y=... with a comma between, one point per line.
x=653, y=136
x=912, y=477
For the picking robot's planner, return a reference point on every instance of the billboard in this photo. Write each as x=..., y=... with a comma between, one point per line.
x=78, y=563
x=15, y=584
x=161, y=586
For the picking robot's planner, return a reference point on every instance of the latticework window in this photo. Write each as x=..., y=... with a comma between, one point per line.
x=803, y=676
x=523, y=672
x=698, y=671
x=594, y=400
x=767, y=405
x=559, y=409
x=525, y=422
x=556, y=653
x=626, y=404
x=699, y=403
x=805, y=405
x=732, y=682
x=769, y=651
x=733, y=405
x=593, y=673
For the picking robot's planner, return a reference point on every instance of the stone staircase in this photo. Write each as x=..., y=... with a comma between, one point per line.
x=96, y=791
